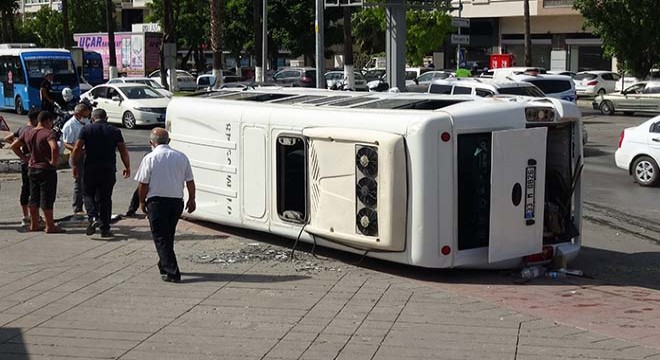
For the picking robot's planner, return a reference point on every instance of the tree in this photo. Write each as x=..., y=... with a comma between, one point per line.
x=7, y=28
x=216, y=39
x=629, y=30
x=46, y=26
x=427, y=30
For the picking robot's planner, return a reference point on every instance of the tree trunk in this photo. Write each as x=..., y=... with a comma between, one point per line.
x=3, y=30
x=12, y=26
x=216, y=40
x=66, y=42
x=112, y=53
x=256, y=25
x=528, y=36
x=167, y=38
x=349, y=75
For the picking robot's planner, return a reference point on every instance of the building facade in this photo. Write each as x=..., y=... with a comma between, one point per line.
x=560, y=41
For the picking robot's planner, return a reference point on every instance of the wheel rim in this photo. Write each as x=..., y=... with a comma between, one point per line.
x=605, y=107
x=129, y=120
x=644, y=171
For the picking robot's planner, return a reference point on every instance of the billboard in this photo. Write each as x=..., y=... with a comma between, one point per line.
x=137, y=53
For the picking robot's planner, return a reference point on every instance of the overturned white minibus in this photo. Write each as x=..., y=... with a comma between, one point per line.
x=428, y=180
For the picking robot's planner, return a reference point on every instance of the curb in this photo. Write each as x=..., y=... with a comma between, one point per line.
x=10, y=166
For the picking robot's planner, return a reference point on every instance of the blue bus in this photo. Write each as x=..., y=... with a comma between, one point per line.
x=93, y=69
x=22, y=72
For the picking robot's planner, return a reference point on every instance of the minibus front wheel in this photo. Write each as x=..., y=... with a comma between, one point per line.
x=18, y=106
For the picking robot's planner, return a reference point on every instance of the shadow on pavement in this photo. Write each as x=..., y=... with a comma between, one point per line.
x=14, y=350
x=612, y=267
x=195, y=277
x=591, y=152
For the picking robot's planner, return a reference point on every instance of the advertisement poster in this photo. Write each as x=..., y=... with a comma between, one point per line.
x=137, y=53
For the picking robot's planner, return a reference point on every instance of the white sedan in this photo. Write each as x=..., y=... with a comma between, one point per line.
x=639, y=152
x=184, y=80
x=130, y=104
x=142, y=80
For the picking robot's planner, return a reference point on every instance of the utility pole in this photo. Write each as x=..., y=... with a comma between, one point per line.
x=528, y=36
x=256, y=27
x=458, y=46
x=66, y=43
x=349, y=75
x=264, y=41
x=320, y=45
x=112, y=61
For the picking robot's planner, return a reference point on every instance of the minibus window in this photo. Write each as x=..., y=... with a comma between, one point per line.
x=291, y=179
x=474, y=162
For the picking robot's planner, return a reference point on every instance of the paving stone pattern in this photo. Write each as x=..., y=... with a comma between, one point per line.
x=71, y=297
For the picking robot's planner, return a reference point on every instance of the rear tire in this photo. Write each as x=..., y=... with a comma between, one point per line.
x=645, y=171
x=607, y=108
x=602, y=92
x=629, y=113
x=18, y=106
x=128, y=120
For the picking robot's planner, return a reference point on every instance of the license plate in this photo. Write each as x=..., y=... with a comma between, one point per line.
x=530, y=190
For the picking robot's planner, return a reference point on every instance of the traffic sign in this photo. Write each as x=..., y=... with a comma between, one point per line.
x=460, y=39
x=460, y=22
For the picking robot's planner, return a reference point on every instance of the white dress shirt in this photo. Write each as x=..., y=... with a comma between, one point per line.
x=165, y=170
x=71, y=129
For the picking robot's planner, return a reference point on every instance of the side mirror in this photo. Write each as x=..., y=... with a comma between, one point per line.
x=116, y=98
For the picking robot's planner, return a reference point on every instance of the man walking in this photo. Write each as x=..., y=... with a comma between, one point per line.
x=25, y=180
x=45, y=92
x=99, y=141
x=41, y=142
x=161, y=176
x=70, y=133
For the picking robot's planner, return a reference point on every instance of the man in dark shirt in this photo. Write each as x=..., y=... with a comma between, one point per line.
x=100, y=141
x=45, y=92
x=44, y=153
x=25, y=186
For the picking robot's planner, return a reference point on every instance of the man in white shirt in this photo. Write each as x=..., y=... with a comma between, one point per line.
x=70, y=133
x=161, y=176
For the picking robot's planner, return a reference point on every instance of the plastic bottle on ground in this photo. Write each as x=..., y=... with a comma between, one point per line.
x=532, y=272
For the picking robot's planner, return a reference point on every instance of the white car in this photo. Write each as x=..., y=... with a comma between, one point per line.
x=639, y=152
x=628, y=80
x=555, y=86
x=184, y=80
x=336, y=80
x=593, y=83
x=142, y=80
x=130, y=104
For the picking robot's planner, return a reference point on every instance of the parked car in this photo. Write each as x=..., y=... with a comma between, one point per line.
x=413, y=73
x=184, y=80
x=130, y=104
x=639, y=152
x=554, y=86
x=628, y=80
x=336, y=80
x=503, y=73
x=301, y=77
x=642, y=97
x=206, y=80
x=483, y=87
x=371, y=75
x=422, y=82
x=567, y=73
x=592, y=83
x=142, y=80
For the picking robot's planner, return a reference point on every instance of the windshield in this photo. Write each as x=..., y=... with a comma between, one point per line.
x=148, y=82
x=552, y=86
x=585, y=76
x=64, y=72
x=532, y=91
x=141, y=92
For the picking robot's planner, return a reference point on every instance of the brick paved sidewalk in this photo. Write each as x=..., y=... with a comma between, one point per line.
x=68, y=296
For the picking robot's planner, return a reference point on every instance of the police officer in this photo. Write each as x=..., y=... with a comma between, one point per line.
x=45, y=92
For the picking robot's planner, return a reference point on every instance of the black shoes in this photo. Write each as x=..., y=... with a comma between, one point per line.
x=168, y=278
x=91, y=228
x=107, y=234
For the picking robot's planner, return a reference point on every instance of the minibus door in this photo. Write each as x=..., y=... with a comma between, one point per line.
x=517, y=193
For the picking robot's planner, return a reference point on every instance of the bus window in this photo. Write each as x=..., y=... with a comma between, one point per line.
x=63, y=70
x=291, y=179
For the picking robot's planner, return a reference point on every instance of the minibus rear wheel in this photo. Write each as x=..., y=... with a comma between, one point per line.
x=18, y=104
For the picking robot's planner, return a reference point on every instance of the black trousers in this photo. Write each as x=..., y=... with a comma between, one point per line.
x=164, y=214
x=98, y=184
x=25, y=185
x=135, y=202
x=43, y=187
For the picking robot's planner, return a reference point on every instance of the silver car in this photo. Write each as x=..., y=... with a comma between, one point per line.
x=640, y=97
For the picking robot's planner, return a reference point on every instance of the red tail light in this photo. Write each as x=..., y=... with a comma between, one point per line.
x=306, y=80
x=545, y=255
x=593, y=82
x=623, y=133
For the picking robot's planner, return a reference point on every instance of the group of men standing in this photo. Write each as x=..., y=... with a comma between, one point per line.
x=93, y=144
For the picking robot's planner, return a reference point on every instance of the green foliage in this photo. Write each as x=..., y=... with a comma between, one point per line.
x=87, y=16
x=427, y=30
x=630, y=30
x=46, y=25
x=238, y=34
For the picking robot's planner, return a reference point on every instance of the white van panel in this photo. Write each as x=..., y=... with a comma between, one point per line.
x=254, y=158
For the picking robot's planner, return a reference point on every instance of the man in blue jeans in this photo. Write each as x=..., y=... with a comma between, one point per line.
x=100, y=142
x=161, y=177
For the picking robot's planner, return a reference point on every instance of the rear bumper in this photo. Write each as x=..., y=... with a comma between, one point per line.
x=622, y=160
x=595, y=105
